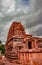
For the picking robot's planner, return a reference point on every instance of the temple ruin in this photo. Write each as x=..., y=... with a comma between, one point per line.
x=22, y=48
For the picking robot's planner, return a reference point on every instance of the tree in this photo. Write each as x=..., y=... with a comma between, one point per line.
x=0, y=41
x=2, y=48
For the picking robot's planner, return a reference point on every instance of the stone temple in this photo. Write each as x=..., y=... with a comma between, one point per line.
x=21, y=48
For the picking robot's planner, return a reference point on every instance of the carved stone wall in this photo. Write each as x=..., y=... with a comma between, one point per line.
x=21, y=47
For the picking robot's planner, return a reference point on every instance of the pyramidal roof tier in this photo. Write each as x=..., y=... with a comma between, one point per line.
x=15, y=26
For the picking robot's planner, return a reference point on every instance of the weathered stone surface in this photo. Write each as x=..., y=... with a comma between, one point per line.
x=22, y=48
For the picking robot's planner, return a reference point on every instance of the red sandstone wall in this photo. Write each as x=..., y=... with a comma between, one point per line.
x=32, y=58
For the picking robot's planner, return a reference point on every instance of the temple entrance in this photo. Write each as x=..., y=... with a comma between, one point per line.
x=29, y=45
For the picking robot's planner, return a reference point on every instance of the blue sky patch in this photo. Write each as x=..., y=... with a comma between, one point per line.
x=25, y=2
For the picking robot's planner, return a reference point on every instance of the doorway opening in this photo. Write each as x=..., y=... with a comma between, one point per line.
x=29, y=45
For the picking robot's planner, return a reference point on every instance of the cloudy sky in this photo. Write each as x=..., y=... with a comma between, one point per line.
x=28, y=12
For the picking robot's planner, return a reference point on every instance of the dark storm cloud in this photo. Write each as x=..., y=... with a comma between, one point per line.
x=38, y=4
x=38, y=32
x=39, y=21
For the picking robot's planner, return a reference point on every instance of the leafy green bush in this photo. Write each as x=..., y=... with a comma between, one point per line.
x=2, y=48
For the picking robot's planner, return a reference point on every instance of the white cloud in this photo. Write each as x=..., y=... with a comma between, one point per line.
x=8, y=25
x=7, y=3
x=34, y=28
x=32, y=16
x=1, y=15
x=3, y=42
x=11, y=8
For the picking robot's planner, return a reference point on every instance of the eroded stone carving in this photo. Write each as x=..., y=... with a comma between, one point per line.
x=21, y=48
